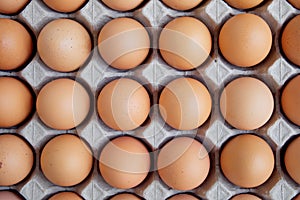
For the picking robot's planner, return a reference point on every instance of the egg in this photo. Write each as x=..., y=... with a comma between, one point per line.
x=243, y=5
x=247, y=160
x=247, y=103
x=182, y=5
x=66, y=160
x=124, y=5
x=183, y=197
x=125, y=196
x=10, y=7
x=63, y=104
x=193, y=43
x=297, y=197
x=64, y=45
x=16, y=102
x=14, y=152
x=291, y=160
x=185, y=104
x=290, y=40
x=183, y=163
x=245, y=40
x=295, y=3
x=123, y=104
x=123, y=43
x=8, y=195
x=124, y=162
x=245, y=197
x=16, y=46
x=66, y=6
x=66, y=196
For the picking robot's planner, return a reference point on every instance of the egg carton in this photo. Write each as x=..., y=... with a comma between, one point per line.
x=154, y=74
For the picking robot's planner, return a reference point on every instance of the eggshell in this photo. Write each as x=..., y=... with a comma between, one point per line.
x=124, y=5
x=245, y=197
x=7, y=195
x=182, y=5
x=64, y=5
x=290, y=40
x=297, y=197
x=247, y=161
x=247, y=103
x=66, y=160
x=245, y=40
x=193, y=43
x=183, y=197
x=14, y=152
x=244, y=4
x=185, y=104
x=65, y=196
x=123, y=43
x=63, y=104
x=295, y=3
x=123, y=104
x=124, y=162
x=291, y=159
x=125, y=196
x=183, y=163
x=16, y=102
x=12, y=6
x=64, y=45
x=16, y=44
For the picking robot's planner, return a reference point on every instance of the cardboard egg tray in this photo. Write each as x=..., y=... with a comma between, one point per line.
x=154, y=73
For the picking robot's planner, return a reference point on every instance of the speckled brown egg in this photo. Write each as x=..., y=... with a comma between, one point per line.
x=183, y=163
x=245, y=197
x=124, y=162
x=244, y=4
x=14, y=152
x=66, y=160
x=291, y=159
x=63, y=104
x=64, y=5
x=125, y=196
x=295, y=3
x=124, y=5
x=185, y=104
x=10, y=7
x=16, y=44
x=245, y=40
x=123, y=43
x=66, y=196
x=182, y=5
x=247, y=161
x=193, y=43
x=183, y=197
x=64, y=45
x=9, y=195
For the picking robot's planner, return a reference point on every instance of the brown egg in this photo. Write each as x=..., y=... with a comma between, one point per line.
x=290, y=40
x=183, y=197
x=245, y=40
x=124, y=5
x=14, y=152
x=244, y=4
x=295, y=3
x=65, y=196
x=124, y=162
x=12, y=7
x=66, y=160
x=123, y=43
x=183, y=163
x=15, y=102
x=64, y=45
x=125, y=196
x=182, y=5
x=185, y=104
x=63, y=104
x=291, y=159
x=64, y=5
x=8, y=195
x=245, y=197
x=246, y=103
x=193, y=43
x=247, y=161
x=297, y=197
x=15, y=44
x=123, y=104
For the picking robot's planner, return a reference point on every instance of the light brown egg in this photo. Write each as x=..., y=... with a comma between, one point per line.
x=247, y=103
x=247, y=161
x=16, y=102
x=125, y=196
x=15, y=44
x=185, y=104
x=183, y=163
x=245, y=40
x=244, y=4
x=66, y=160
x=245, y=197
x=64, y=45
x=8, y=195
x=183, y=197
x=66, y=6
x=124, y=5
x=123, y=43
x=14, y=152
x=65, y=196
x=291, y=159
x=123, y=104
x=12, y=7
x=63, y=104
x=193, y=43
x=297, y=197
x=182, y=5
x=295, y=3
x=290, y=40
x=124, y=162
